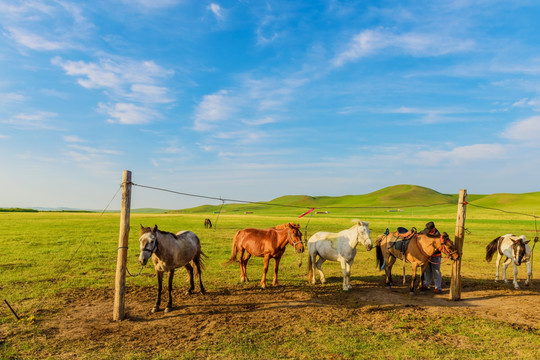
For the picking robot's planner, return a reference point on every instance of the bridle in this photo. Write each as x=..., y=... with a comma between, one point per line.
x=443, y=248
x=151, y=250
x=293, y=243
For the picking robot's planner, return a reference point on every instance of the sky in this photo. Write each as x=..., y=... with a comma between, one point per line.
x=253, y=99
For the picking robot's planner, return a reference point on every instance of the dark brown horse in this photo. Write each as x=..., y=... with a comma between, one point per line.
x=418, y=253
x=168, y=252
x=207, y=224
x=269, y=243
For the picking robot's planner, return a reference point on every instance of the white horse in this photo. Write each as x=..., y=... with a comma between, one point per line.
x=517, y=251
x=337, y=247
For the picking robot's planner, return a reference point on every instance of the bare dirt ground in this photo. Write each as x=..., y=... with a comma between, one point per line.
x=85, y=321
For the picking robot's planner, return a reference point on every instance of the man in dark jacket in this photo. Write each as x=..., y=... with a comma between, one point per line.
x=433, y=271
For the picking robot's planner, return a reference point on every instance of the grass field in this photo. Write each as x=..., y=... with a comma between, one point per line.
x=52, y=259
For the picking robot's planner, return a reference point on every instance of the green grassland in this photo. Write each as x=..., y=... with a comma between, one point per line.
x=45, y=254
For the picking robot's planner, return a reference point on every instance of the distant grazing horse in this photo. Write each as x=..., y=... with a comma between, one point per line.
x=269, y=243
x=516, y=249
x=418, y=253
x=337, y=247
x=169, y=252
x=207, y=224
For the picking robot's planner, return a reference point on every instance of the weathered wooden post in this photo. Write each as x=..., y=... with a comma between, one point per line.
x=120, y=284
x=455, y=284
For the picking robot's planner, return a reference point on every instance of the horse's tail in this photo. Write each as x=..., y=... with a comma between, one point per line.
x=310, y=268
x=380, y=256
x=492, y=248
x=234, y=250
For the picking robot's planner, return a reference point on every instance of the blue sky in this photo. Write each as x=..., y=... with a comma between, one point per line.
x=252, y=100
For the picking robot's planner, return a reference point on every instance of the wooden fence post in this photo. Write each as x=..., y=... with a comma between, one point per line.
x=455, y=284
x=120, y=284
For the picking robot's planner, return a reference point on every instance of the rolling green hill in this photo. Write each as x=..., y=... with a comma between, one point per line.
x=392, y=198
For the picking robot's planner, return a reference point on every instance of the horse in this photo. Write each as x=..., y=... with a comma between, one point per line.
x=517, y=251
x=337, y=247
x=168, y=252
x=418, y=253
x=207, y=224
x=269, y=243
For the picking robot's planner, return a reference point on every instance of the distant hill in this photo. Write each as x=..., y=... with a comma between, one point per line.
x=392, y=198
x=397, y=196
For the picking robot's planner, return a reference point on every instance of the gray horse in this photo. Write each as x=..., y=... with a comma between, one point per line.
x=168, y=252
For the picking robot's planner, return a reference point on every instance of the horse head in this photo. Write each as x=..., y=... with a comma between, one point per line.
x=364, y=234
x=448, y=247
x=148, y=243
x=295, y=237
x=518, y=249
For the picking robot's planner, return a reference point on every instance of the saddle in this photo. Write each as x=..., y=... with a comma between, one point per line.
x=401, y=238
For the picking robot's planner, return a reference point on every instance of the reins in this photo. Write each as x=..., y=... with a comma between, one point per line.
x=444, y=250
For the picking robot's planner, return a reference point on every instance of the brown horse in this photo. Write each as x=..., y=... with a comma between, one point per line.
x=170, y=251
x=269, y=243
x=418, y=253
x=207, y=224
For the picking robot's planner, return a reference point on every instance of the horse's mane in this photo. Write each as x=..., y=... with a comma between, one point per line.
x=287, y=226
x=145, y=230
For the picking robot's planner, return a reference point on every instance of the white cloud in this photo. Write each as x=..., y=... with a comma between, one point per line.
x=34, y=41
x=524, y=130
x=462, y=154
x=124, y=76
x=39, y=120
x=216, y=10
x=265, y=120
x=73, y=139
x=153, y=4
x=128, y=114
x=370, y=42
x=211, y=110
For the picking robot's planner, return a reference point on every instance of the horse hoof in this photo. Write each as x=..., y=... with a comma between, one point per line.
x=155, y=309
x=168, y=309
x=203, y=291
x=189, y=292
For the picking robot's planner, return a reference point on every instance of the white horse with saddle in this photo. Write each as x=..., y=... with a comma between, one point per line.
x=339, y=247
x=517, y=251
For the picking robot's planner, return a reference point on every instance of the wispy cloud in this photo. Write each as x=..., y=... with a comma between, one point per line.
x=370, y=42
x=39, y=120
x=461, y=154
x=34, y=41
x=134, y=85
x=213, y=109
x=128, y=114
x=527, y=130
x=216, y=10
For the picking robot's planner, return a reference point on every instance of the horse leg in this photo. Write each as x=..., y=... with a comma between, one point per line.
x=276, y=268
x=159, y=275
x=504, y=267
x=242, y=263
x=169, y=289
x=189, y=268
x=497, y=265
x=411, y=288
x=529, y=273
x=313, y=258
x=318, y=264
x=388, y=270
x=198, y=267
x=265, y=270
x=346, y=269
x=248, y=255
x=516, y=286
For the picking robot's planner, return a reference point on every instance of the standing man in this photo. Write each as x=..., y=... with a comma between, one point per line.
x=433, y=271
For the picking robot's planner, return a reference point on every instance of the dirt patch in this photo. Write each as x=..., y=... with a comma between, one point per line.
x=86, y=316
